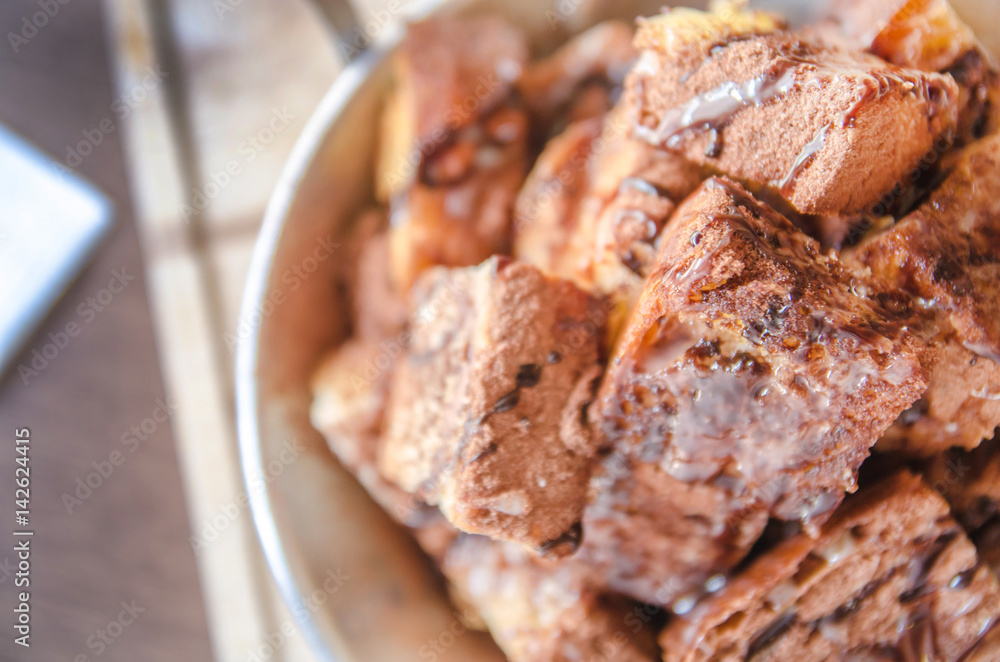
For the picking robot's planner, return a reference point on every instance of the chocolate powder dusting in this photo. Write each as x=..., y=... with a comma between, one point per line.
x=650, y=306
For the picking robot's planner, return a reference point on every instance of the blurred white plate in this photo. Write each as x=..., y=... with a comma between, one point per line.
x=50, y=223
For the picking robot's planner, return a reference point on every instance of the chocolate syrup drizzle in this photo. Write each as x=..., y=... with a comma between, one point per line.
x=714, y=110
x=803, y=161
x=918, y=640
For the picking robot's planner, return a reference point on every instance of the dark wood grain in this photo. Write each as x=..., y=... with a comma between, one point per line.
x=128, y=541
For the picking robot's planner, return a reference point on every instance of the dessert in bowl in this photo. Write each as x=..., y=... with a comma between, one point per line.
x=656, y=341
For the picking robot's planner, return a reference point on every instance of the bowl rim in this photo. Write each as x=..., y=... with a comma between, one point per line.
x=303, y=157
x=276, y=216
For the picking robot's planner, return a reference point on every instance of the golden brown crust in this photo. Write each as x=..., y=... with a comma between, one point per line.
x=486, y=416
x=927, y=35
x=679, y=31
x=751, y=381
x=543, y=612
x=946, y=256
x=919, y=34
x=831, y=131
x=890, y=575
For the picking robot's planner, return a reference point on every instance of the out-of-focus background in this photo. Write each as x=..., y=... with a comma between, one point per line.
x=182, y=112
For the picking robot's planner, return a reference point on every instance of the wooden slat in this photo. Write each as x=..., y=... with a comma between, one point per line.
x=252, y=75
x=232, y=574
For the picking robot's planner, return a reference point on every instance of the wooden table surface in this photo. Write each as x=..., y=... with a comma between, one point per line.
x=188, y=87
x=205, y=101
x=128, y=542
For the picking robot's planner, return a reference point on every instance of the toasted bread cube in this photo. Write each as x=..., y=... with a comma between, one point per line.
x=594, y=206
x=486, y=418
x=829, y=130
x=891, y=576
x=349, y=396
x=960, y=407
x=549, y=206
x=350, y=390
x=750, y=382
x=539, y=611
x=946, y=257
x=454, y=145
x=555, y=84
x=926, y=35
x=448, y=73
x=660, y=539
x=636, y=190
x=463, y=216
x=377, y=306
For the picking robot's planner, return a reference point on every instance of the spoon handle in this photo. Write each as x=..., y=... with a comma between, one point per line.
x=343, y=22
